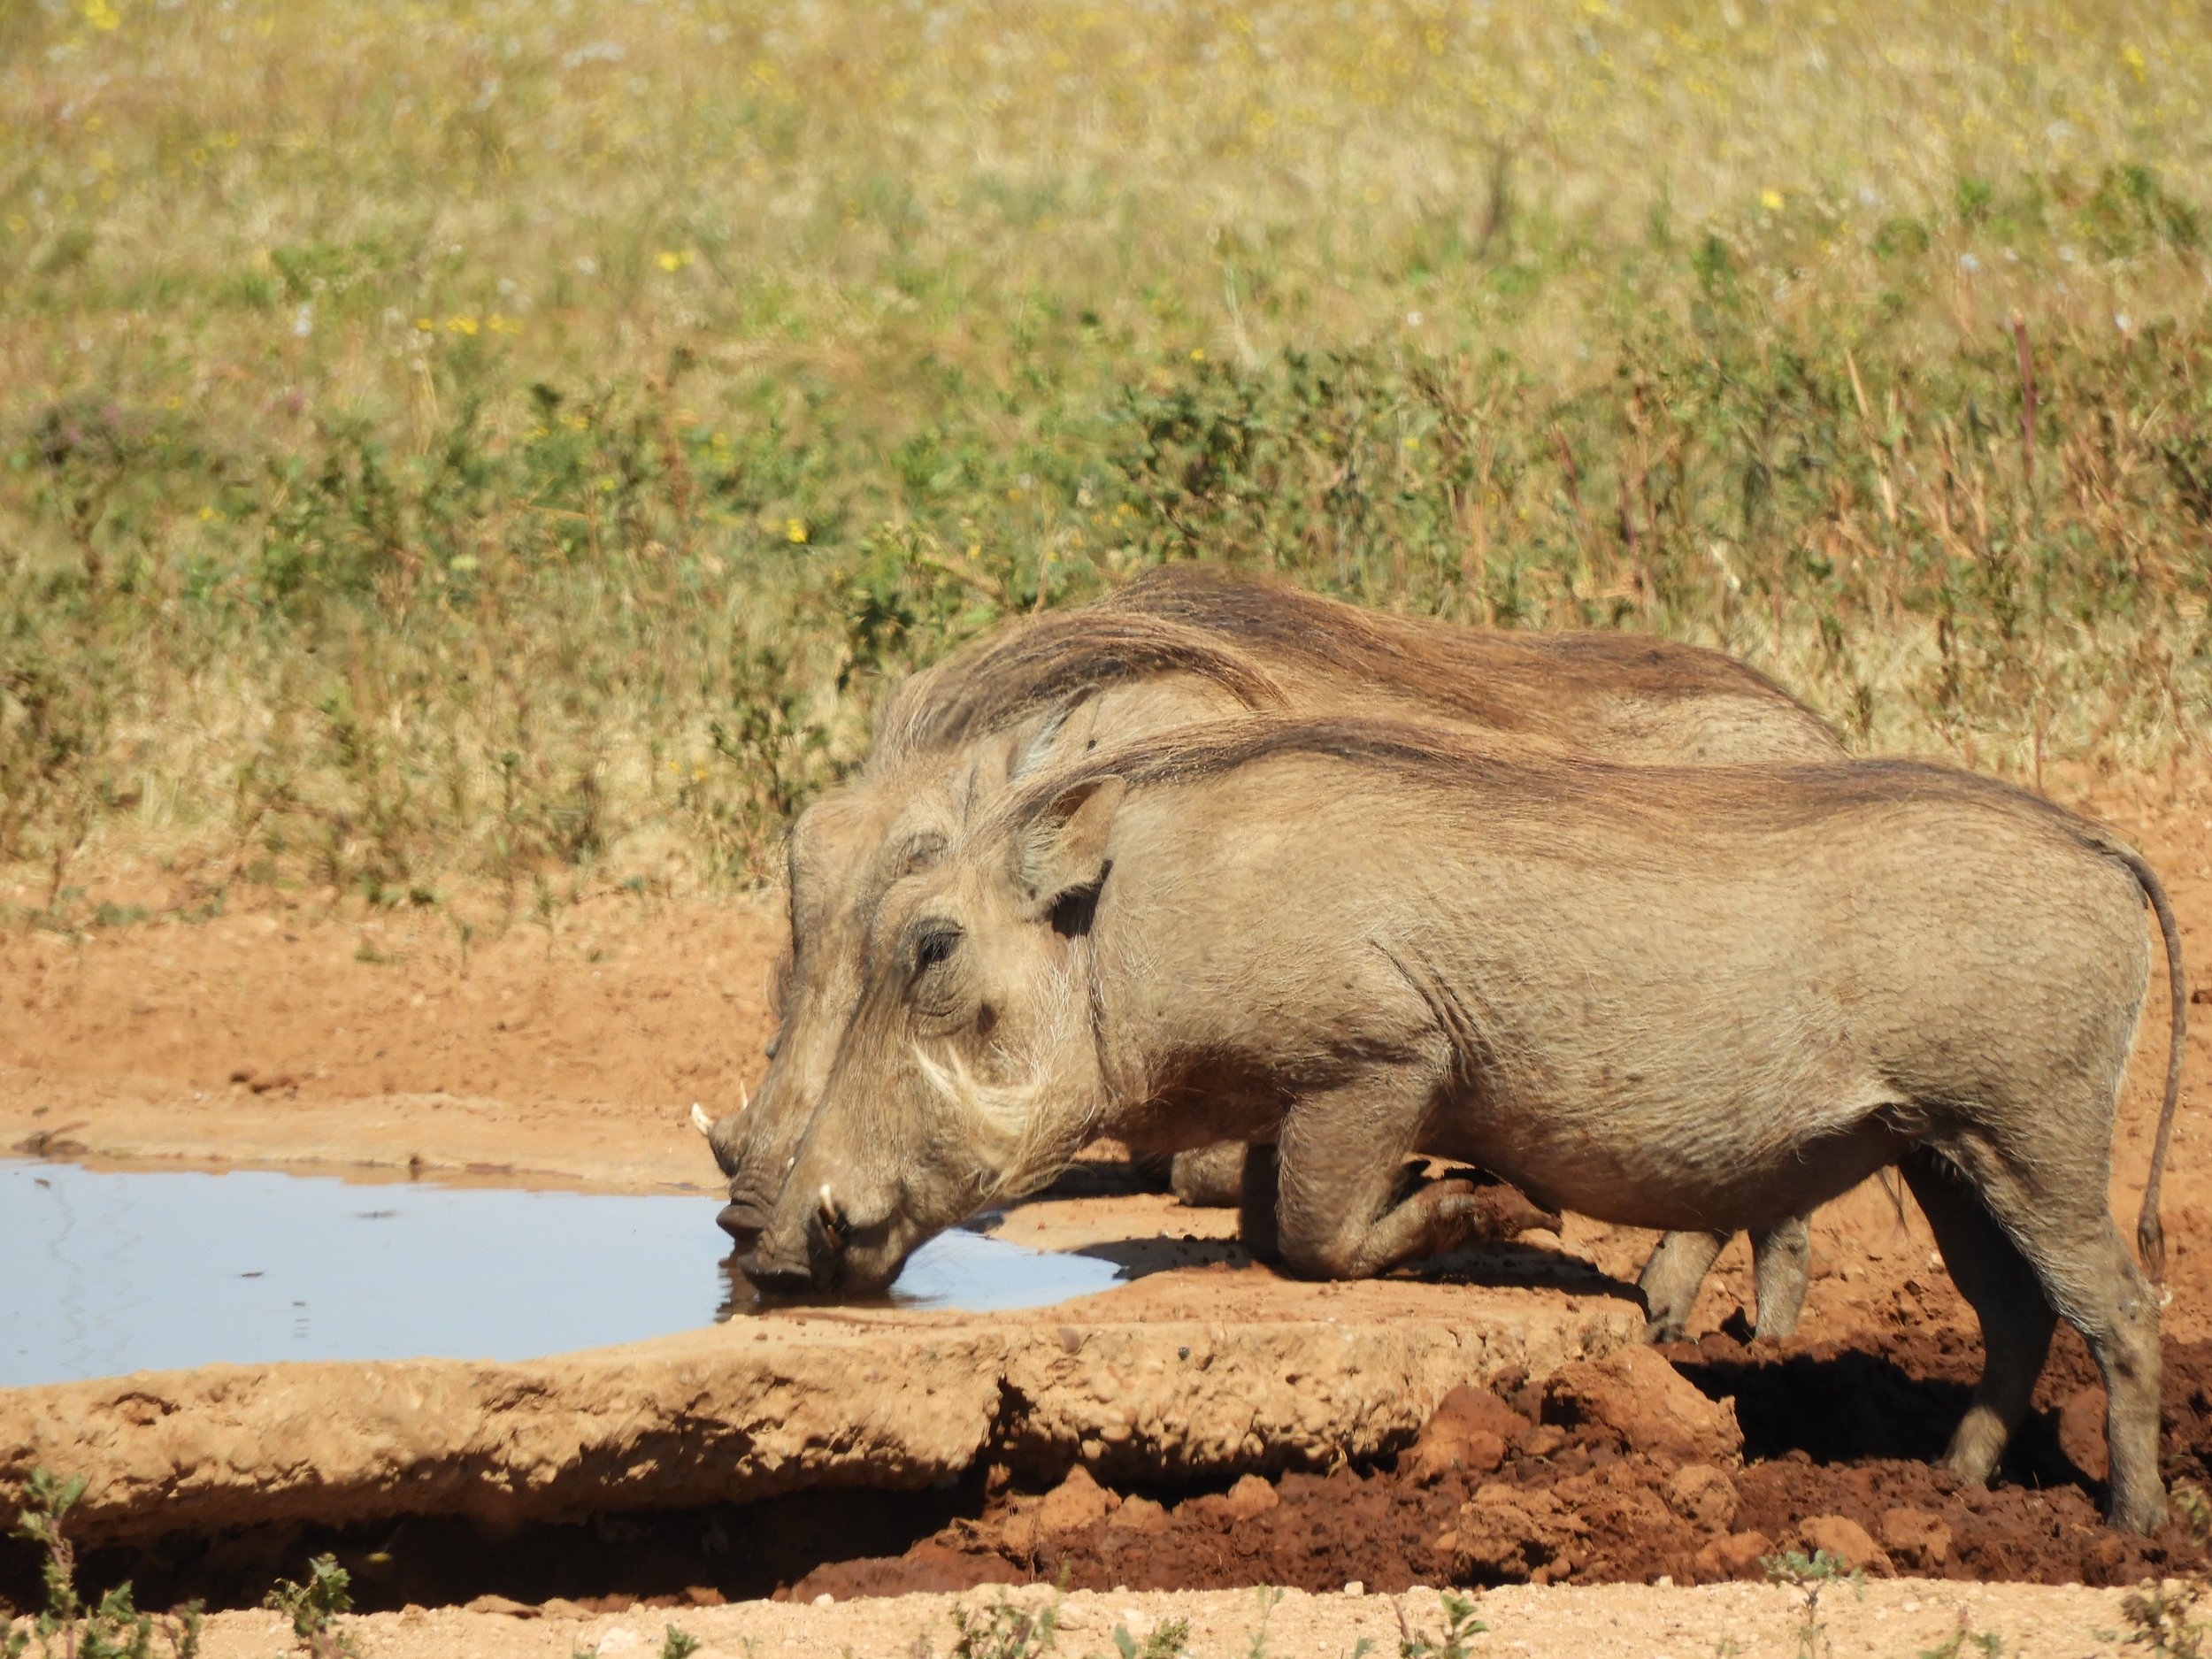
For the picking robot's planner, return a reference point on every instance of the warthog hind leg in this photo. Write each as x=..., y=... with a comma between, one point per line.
x=2062, y=1229
x=1782, y=1263
x=1670, y=1278
x=2002, y=1287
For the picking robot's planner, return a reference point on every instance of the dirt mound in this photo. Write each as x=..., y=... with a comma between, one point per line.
x=1624, y=1470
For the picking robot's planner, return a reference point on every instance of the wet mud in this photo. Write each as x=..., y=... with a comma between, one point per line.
x=1547, y=1483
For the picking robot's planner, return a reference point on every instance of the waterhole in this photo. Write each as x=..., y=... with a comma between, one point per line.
x=107, y=1271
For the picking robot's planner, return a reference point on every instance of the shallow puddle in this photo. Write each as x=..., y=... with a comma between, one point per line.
x=105, y=1271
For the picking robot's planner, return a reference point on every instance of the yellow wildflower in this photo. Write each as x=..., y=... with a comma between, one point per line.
x=794, y=530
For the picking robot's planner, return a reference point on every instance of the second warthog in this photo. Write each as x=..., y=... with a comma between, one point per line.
x=1189, y=642
x=1703, y=999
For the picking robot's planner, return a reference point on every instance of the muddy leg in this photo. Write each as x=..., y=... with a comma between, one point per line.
x=1338, y=1210
x=2087, y=1275
x=1782, y=1262
x=2002, y=1287
x=1256, y=1208
x=1670, y=1278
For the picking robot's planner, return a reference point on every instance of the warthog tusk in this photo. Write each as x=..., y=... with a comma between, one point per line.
x=833, y=1217
x=744, y=1100
x=700, y=1121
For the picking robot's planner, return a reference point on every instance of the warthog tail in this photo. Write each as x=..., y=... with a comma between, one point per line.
x=2150, y=1232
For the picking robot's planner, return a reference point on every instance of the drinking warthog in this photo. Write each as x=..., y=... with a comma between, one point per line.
x=1189, y=642
x=1694, y=998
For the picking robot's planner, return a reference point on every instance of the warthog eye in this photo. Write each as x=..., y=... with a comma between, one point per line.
x=934, y=946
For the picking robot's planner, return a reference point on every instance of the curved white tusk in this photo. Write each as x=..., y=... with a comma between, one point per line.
x=700, y=1120
x=744, y=1100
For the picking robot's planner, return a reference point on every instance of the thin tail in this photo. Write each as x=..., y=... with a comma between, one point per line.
x=2150, y=1232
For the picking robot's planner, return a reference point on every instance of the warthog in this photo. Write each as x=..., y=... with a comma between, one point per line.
x=1189, y=642
x=1690, y=998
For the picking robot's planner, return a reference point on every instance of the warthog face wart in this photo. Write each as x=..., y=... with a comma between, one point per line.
x=968, y=1074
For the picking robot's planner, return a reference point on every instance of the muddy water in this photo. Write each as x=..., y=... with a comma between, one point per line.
x=104, y=1272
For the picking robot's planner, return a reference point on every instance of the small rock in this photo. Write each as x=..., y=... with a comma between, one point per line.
x=1913, y=1537
x=1846, y=1539
x=1702, y=1495
x=2081, y=1430
x=1508, y=1533
x=503, y=1604
x=1141, y=1516
x=1250, y=1496
x=1077, y=1503
x=1355, y=1587
x=1468, y=1431
x=1543, y=1440
x=825, y=1600
x=1647, y=1405
x=1737, y=1555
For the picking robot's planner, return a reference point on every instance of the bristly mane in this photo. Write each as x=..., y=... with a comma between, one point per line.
x=1509, y=772
x=1341, y=637
x=1255, y=637
x=1056, y=658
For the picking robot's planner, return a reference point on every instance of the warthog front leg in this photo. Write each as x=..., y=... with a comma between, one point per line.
x=1344, y=1210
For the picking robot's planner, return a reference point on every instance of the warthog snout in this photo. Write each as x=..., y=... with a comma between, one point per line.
x=782, y=1264
x=776, y=1279
x=743, y=1219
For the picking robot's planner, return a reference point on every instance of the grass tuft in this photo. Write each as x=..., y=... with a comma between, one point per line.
x=494, y=450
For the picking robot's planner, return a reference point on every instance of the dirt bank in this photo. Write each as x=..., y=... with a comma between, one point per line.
x=1179, y=1377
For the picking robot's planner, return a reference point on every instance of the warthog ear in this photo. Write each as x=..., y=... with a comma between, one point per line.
x=1064, y=851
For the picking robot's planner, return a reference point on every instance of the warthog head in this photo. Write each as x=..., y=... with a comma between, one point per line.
x=845, y=852
x=968, y=1073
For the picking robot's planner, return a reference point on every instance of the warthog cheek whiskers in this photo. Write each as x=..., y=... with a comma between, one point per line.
x=1022, y=1133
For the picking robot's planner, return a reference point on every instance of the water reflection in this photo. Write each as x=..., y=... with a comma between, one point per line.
x=107, y=1271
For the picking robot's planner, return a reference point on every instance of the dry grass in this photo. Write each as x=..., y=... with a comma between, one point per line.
x=506, y=446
